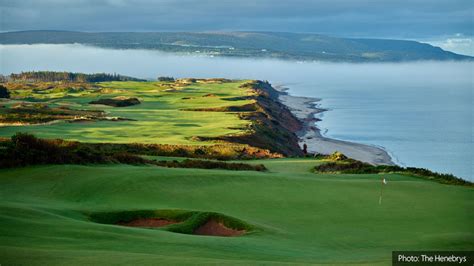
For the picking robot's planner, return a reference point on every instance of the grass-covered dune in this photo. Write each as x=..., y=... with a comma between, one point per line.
x=297, y=216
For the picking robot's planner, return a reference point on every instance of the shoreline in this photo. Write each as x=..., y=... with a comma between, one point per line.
x=304, y=108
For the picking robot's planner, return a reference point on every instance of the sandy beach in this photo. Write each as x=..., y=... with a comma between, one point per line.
x=304, y=108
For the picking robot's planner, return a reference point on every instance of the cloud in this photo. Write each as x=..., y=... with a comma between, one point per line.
x=364, y=18
x=458, y=43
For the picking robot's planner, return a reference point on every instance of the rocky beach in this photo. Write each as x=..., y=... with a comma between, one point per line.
x=305, y=109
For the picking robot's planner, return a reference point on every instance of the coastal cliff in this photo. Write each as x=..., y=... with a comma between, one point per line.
x=273, y=127
x=283, y=123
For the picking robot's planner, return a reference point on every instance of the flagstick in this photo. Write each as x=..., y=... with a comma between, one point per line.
x=381, y=191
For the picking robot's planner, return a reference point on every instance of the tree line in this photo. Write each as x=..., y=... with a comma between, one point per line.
x=53, y=76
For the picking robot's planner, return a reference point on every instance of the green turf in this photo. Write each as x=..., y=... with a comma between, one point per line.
x=160, y=117
x=301, y=217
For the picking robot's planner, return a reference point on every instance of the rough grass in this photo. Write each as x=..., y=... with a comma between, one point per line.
x=302, y=217
x=41, y=113
x=25, y=149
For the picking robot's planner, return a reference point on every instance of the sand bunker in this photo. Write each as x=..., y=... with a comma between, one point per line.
x=214, y=228
x=209, y=228
x=176, y=221
x=148, y=222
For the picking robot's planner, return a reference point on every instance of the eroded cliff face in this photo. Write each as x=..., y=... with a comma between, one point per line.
x=272, y=126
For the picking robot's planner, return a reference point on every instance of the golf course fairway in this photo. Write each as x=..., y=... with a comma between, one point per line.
x=298, y=216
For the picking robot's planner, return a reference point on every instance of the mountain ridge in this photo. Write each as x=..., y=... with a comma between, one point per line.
x=281, y=45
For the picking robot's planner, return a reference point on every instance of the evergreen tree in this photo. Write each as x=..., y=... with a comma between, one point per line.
x=4, y=93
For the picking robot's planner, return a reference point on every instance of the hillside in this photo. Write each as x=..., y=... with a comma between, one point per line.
x=295, y=46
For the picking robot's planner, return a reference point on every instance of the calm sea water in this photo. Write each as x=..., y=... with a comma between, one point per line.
x=422, y=112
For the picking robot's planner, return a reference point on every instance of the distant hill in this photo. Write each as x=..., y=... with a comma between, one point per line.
x=296, y=46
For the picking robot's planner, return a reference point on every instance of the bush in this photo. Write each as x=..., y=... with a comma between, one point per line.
x=337, y=156
x=26, y=149
x=117, y=102
x=166, y=79
x=350, y=166
x=205, y=164
x=4, y=93
x=127, y=158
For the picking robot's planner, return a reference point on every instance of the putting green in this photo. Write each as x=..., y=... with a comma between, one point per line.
x=301, y=217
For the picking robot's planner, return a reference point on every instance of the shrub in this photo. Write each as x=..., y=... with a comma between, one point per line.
x=166, y=79
x=4, y=93
x=337, y=156
x=26, y=149
x=117, y=102
x=205, y=164
x=127, y=158
x=199, y=152
x=350, y=166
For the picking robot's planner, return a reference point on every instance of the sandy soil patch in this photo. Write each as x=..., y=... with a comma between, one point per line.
x=215, y=228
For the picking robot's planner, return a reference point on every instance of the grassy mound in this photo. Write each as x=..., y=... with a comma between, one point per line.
x=340, y=164
x=187, y=222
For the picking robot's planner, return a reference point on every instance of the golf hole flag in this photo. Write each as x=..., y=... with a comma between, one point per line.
x=384, y=182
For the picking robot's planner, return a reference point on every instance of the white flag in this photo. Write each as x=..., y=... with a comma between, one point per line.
x=384, y=181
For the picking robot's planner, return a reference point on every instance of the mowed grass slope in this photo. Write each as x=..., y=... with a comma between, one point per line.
x=160, y=118
x=301, y=217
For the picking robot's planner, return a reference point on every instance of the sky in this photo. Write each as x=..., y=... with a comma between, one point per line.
x=447, y=23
